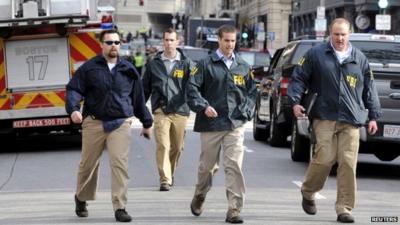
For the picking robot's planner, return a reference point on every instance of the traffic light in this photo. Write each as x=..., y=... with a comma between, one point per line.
x=141, y=2
x=383, y=4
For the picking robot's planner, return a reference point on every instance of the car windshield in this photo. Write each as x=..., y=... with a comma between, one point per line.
x=380, y=52
x=301, y=50
x=255, y=58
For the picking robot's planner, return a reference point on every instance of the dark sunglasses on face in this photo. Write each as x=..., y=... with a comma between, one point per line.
x=112, y=42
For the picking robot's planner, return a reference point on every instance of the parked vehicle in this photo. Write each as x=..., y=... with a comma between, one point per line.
x=259, y=61
x=281, y=115
x=261, y=120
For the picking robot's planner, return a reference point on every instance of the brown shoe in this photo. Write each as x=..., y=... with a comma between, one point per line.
x=197, y=205
x=80, y=208
x=345, y=218
x=165, y=187
x=309, y=206
x=232, y=216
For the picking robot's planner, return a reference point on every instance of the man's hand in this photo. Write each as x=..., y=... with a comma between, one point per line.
x=372, y=127
x=146, y=132
x=76, y=117
x=298, y=111
x=210, y=112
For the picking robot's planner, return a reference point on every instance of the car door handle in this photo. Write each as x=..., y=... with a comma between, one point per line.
x=395, y=96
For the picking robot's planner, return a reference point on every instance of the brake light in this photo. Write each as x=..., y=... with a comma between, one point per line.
x=106, y=19
x=284, y=86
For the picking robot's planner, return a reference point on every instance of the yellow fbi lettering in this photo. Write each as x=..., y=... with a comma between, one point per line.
x=301, y=61
x=194, y=71
x=352, y=80
x=178, y=73
x=371, y=74
x=239, y=80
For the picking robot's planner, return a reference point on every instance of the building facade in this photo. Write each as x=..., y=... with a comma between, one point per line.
x=149, y=16
x=266, y=22
x=361, y=13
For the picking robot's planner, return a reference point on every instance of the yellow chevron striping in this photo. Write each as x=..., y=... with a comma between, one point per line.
x=25, y=101
x=53, y=98
x=78, y=44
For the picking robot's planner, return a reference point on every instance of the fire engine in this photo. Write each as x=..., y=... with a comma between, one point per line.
x=42, y=43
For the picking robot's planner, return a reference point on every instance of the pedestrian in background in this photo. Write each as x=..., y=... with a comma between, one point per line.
x=139, y=61
x=340, y=74
x=113, y=93
x=165, y=80
x=222, y=92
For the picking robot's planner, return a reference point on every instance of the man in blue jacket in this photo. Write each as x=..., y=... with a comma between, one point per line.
x=112, y=92
x=340, y=74
x=222, y=92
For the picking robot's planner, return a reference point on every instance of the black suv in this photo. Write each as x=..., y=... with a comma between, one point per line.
x=261, y=120
x=281, y=115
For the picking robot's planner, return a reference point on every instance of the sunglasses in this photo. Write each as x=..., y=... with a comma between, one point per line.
x=112, y=42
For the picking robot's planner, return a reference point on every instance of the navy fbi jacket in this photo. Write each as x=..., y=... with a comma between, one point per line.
x=231, y=92
x=168, y=91
x=346, y=92
x=108, y=95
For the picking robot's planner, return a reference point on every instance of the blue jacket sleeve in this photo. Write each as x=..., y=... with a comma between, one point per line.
x=139, y=104
x=195, y=100
x=147, y=87
x=250, y=101
x=75, y=91
x=370, y=94
x=300, y=78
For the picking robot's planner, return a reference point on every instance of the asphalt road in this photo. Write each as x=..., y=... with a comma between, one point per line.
x=38, y=176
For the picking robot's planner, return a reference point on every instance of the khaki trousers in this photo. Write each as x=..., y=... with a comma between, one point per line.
x=336, y=142
x=232, y=144
x=169, y=130
x=117, y=142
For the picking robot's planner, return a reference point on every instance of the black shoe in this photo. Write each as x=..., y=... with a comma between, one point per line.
x=122, y=216
x=80, y=208
x=233, y=216
x=197, y=205
x=308, y=206
x=235, y=219
x=345, y=218
x=165, y=187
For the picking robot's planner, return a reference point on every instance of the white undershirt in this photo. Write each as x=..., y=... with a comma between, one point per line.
x=111, y=65
x=341, y=56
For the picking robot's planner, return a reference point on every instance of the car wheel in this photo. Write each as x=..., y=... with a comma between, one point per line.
x=386, y=156
x=277, y=136
x=300, y=148
x=259, y=134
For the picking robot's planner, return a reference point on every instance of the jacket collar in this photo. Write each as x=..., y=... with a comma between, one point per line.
x=183, y=55
x=351, y=59
x=214, y=57
x=99, y=59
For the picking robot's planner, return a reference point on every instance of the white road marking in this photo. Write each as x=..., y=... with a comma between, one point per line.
x=246, y=149
x=317, y=195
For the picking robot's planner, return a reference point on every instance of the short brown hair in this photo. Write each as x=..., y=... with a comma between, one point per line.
x=226, y=29
x=111, y=31
x=170, y=31
x=339, y=20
